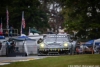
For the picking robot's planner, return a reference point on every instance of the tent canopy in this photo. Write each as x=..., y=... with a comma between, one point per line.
x=22, y=38
x=97, y=41
x=89, y=43
x=2, y=37
x=34, y=30
x=92, y=42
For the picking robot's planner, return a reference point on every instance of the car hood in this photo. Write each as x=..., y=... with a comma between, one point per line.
x=54, y=44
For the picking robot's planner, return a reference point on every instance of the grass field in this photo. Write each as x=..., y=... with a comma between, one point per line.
x=88, y=60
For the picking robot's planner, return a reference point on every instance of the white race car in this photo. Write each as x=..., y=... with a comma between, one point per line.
x=55, y=44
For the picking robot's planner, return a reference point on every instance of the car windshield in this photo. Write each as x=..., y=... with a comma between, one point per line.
x=50, y=39
x=62, y=39
x=56, y=38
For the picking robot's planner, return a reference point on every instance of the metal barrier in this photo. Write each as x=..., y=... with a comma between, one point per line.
x=8, y=32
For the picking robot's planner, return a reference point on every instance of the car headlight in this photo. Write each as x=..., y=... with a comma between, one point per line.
x=65, y=44
x=42, y=45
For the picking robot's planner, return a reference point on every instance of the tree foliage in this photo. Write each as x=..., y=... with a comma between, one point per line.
x=33, y=14
x=82, y=16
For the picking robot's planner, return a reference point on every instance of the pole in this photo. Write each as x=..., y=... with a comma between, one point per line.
x=29, y=31
x=57, y=23
x=1, y=26
x=7, y=13
x=21, y=23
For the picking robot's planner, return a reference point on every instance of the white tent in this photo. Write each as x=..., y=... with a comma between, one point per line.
x=96, y=41
x=96, y=44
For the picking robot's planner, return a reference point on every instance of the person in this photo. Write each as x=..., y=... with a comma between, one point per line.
x=12, y=47
x=99, y=48
x=80, y=50
x=6, y=33
x=0, y=45
x=91, y=49
x=8, y=46
x=11, y=31
x=77, y=50
x=71, y=49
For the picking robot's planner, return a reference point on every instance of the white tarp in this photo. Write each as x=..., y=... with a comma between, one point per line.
x=31, y=47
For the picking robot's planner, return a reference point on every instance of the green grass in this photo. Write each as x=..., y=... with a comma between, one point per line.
x=60, y=61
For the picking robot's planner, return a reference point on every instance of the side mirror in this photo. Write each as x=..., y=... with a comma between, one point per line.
x=39, y=41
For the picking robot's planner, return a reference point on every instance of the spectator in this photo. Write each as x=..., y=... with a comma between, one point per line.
x=91, y=49
x=8, y=46
x=99, y=49
x=11, y=31
x=12, y=47
x=6, y=33
x=77, y=50
x=80, y=50
x=0, y=45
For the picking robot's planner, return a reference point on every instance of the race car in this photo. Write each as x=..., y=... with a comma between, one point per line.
x=55, y=44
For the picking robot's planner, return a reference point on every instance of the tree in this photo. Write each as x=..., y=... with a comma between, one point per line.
x=83, y=16
x=52, y=8
x=34, y=16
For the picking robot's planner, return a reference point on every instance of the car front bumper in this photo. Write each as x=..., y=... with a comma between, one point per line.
x=53, y=51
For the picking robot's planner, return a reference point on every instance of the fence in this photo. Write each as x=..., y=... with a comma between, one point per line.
x=8, y=32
